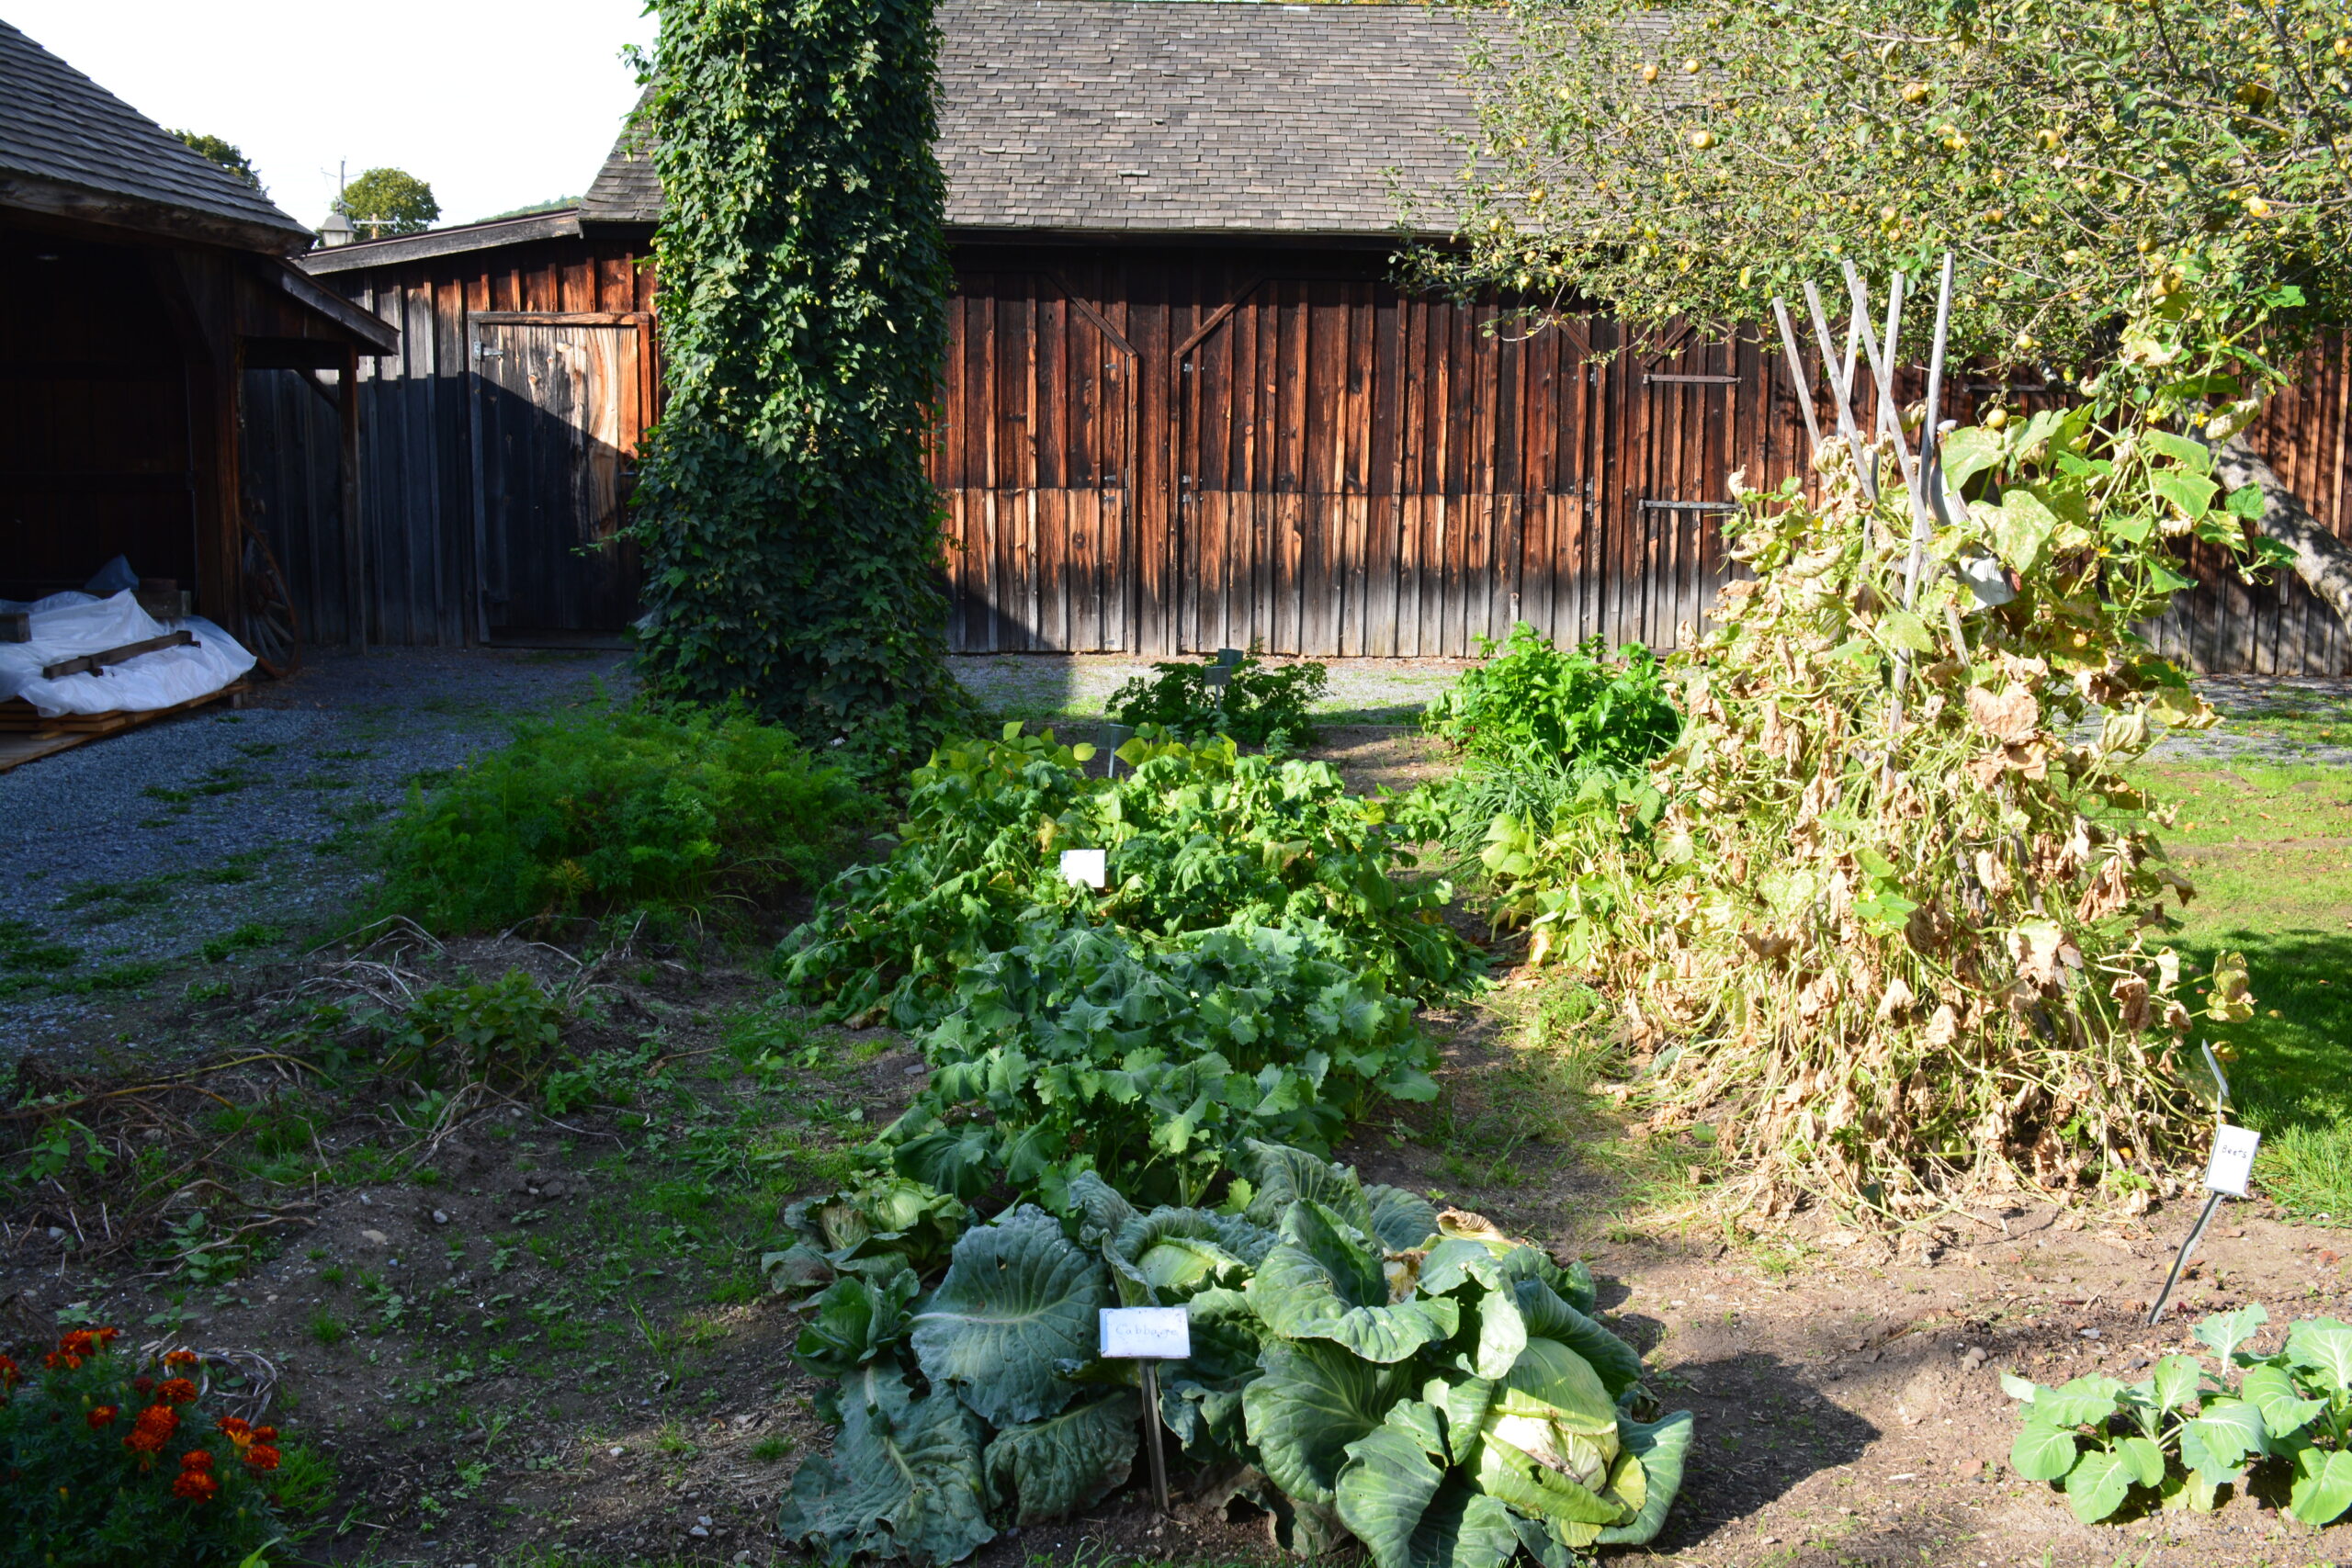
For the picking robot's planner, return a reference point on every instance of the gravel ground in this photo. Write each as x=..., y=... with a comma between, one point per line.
x=234, y=828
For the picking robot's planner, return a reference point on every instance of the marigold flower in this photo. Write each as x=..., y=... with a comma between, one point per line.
x=57, y=1359
x=10, y=1373
x=101, y=1417
x=196, y=1458
x=176, y=1391
x=196, y=1486
x=264, y=1433
x=181, y=1358
x=236, y=1429
x=152, y=1430
x=78, y=1342
x=261, y=1456
x=107, y=1336
x=142, y=1385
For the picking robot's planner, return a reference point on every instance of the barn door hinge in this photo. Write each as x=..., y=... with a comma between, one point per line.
x=483, y=350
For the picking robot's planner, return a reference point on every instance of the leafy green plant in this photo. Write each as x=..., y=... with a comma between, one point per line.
x=2185, y=1431
x=1365, y=1365
x=791, y=534
x=505, y=1031
x=1254, y=704
x=619, y=809
x=1529, y=700
x=1086, y=1048
x=110, y=1462
x=1196, y=837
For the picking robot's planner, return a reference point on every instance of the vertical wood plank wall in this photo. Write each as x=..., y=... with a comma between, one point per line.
x=1151, y=449
x=416, y=460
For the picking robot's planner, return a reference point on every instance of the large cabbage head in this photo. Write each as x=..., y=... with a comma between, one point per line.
x=1553, y=1408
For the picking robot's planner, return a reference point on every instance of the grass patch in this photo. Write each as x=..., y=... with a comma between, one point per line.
x=2271, y=850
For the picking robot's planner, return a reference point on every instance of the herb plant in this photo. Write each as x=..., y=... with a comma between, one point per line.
x=1258, y=705
x=1529, y=701
x=108, y=1462
x=2186, y=1431
x=1362, y=1364
x=709, y=815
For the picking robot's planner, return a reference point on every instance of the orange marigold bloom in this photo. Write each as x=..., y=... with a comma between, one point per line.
x=57, y=1359
x=261, y=1456
x=107, y=1336
x=181, y=1358
x=176, y=1391
x=152, y=1430
x=236, y=1428
x=196, y=1458
x=264, y=1433
x=102, y=1416
x=10, y=1373
x=142, y=1385
x=196, y=1486
x=78, y=1342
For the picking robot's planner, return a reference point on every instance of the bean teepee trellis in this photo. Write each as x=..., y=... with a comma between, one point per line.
x=1922, y=471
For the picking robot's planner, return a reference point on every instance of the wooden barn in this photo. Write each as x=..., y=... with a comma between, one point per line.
x=140, y=287
x=1186, y=404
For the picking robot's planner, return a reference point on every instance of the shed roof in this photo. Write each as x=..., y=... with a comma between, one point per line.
x=1199, y=117
x=71, y=148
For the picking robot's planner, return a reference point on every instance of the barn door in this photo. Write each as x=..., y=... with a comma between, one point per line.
x=1694, y=411
x=559, y=404
x=1035, y=454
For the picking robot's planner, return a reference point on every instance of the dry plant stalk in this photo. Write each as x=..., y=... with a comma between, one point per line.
x=1899, y=943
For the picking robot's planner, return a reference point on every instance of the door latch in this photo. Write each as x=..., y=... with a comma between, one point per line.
x=483, y=350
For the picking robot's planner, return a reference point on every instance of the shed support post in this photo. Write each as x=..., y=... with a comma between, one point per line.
x=354, y=553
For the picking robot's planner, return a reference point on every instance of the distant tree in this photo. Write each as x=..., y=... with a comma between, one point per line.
x=221, y=153
x=553, y=204
x=388, y=201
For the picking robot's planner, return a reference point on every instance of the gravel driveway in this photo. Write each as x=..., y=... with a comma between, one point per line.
x=234, y=829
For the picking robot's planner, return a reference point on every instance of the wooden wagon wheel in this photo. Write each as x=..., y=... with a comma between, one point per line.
x=272, y=629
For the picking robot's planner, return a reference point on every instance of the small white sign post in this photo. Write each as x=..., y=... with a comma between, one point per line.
x=2225, y=1176
x=1086, y=868
x=1147, y=1336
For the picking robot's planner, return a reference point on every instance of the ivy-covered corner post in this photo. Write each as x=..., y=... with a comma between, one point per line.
x=790, y=533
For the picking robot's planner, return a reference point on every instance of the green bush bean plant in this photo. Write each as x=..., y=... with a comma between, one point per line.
x=1150, y=1061
x=1198, y=836
x=2187, y=1430
x=1361, y=1366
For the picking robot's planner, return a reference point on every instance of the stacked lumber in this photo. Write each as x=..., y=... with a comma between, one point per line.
x=19, y=717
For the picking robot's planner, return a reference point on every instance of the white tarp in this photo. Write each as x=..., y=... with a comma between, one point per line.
x=67, y=625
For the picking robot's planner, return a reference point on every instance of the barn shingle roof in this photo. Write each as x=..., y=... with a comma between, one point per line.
x=1199, y=117
x=70, y=148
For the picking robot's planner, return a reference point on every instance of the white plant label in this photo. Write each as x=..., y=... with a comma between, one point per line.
x=1085, y=867
x=2233, y=1160
x=1154, y=1334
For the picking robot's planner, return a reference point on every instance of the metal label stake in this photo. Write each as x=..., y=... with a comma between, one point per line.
x=2225, y=1176
x=1149, y=1336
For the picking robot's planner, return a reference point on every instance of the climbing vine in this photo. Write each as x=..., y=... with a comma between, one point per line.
x=791, y=534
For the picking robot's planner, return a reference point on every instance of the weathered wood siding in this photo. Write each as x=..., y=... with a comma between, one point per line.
x=1147, y=449
x=424, y=569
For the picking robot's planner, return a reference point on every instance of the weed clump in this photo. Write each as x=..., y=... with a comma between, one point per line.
x=1255, y=705
x=701, y=815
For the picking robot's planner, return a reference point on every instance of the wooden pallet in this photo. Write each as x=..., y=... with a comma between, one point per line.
x=25, y=735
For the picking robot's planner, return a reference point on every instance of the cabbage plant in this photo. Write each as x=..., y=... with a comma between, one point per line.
x=1362, y=1365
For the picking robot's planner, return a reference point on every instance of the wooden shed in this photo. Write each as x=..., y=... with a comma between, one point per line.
x=1186, y=404
x=140, y=284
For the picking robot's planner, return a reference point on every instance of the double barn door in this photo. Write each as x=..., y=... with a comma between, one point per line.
x=1323, y=467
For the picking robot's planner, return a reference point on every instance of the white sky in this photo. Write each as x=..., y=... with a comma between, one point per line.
x=496, y=103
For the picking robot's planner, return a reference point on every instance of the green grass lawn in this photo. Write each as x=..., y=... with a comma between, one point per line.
x=2271, y=850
